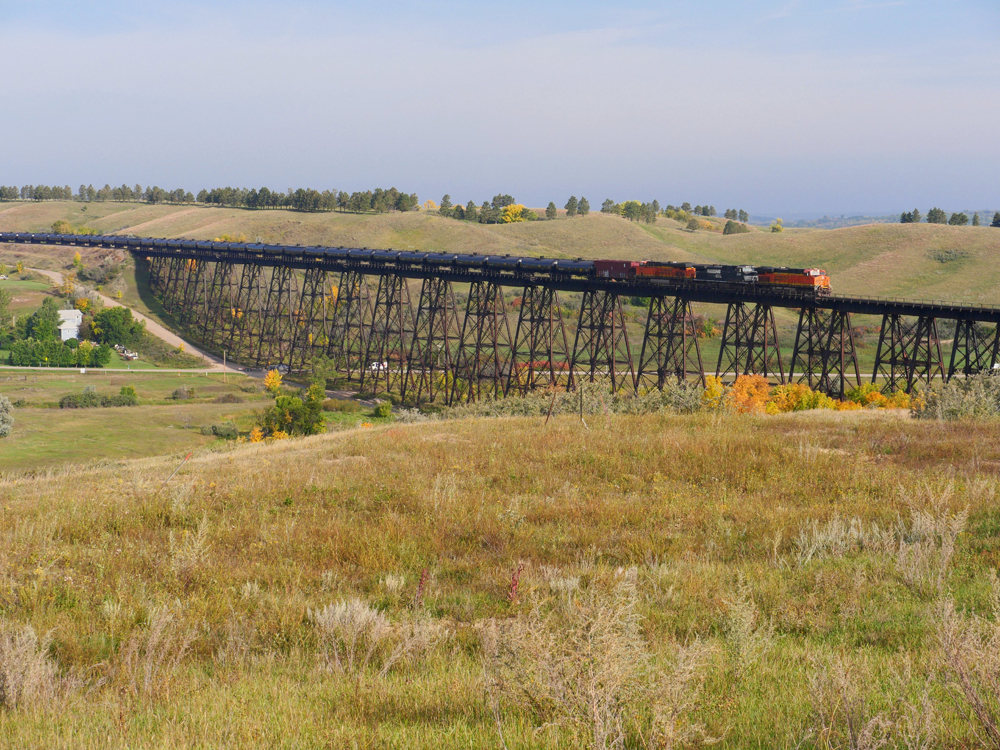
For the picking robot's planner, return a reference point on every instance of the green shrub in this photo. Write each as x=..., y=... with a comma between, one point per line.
x=85, y=400
x=90, y=399
x=226, y=431
x=975, y=397
x=229, y=398
x=383, y=410
x=182, y=393
x=293, y=415
x=6, y=417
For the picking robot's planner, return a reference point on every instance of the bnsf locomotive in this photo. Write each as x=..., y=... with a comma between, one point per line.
x=800, y=279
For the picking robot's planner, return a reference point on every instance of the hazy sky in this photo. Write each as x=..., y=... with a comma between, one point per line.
x=776, y=106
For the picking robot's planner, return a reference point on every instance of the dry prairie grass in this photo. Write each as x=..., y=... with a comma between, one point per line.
x=351, y=587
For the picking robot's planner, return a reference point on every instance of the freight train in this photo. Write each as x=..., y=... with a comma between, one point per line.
x=815, y=280
x=807, y=281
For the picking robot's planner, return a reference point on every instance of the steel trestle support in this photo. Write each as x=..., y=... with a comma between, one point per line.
x=539, y=354
x=908, y=352
x=669, y=345
x=601, y=348
x=481, y=361
x=435, y=335
x=824, y=352
x=389, y=337
x=749, y=343
x=974, y=349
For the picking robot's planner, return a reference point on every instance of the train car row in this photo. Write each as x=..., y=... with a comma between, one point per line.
x=809, y=280
x=805, y=279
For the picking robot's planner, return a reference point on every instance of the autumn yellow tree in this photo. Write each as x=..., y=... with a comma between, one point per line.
x=272, y=382
x=512, y=213
x=69, y=284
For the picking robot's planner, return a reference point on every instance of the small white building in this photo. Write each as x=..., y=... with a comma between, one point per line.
x=69, y=324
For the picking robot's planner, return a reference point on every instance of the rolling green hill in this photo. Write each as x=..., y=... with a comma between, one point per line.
x=908, y=260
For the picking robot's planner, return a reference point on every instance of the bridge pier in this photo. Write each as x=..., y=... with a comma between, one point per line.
x=539, y=356
x=973, y=350
x=390, y=335
x=749, y=342
x=601, y=344
x=351, y=320
x=309, y=320
x=218, y=302
x=669, y=344
x=245, y=315
x=276, y=332
x=480, y=361
x=908, y=352
x=824, y=353
x=434, y=337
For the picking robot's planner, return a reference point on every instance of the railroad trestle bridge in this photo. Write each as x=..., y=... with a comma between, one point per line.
x=267, y=305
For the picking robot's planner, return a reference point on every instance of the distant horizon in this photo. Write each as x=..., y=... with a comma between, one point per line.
x=755, y=215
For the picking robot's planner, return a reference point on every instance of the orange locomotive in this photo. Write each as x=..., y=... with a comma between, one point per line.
x=813, y=278
x=668, y=270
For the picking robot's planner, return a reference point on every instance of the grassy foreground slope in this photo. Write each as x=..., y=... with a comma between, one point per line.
x=766, y=581
x=911, y=260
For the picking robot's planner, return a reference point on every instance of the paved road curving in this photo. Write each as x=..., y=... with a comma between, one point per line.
x=212, y=362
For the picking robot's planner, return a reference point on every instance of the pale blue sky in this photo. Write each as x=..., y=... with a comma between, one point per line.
x=780, y=107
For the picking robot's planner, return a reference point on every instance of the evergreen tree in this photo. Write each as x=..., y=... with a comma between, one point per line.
x=608, y=207
x=743, y=216
x=571, y=206
x=937, y=216
x=550, y=210
x=470, y=211
x=996, y=220
x=975, y=219
x=916, y=216
x=446, y=205
x=906, y=218
x=583, y=207
x=685, y=206
x=958, y=220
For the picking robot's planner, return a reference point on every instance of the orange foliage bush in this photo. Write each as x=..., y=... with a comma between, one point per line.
x=748, y=394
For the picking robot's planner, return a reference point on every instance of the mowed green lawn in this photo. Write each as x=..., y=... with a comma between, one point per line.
x=55, y=437
x=26, y=296
x=45, y=436
x=39, y=388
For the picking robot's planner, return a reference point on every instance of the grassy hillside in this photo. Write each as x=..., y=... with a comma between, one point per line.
x=766, y=581
x=913, y=260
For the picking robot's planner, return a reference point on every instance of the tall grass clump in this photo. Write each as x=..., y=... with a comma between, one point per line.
x=151, y=656
x=969, y=654
x=27, y=675
x=975, y=397
x=580, y=665
x=354, y=636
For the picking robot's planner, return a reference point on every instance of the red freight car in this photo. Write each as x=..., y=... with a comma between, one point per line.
x=615, y=269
